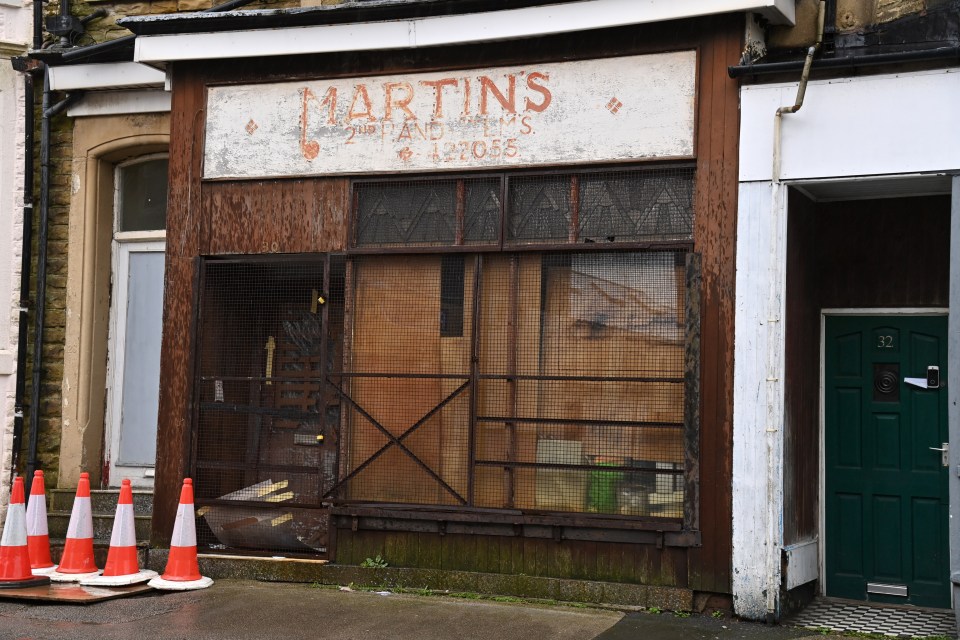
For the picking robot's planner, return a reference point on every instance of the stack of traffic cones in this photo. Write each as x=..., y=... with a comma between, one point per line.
x=77, y=561
x=14, y=556
x=38, y=537
x=183, y=571
x=122, y=566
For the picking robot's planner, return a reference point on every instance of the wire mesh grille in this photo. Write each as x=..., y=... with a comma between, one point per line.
x=267, y=422
x=638, y=205
x=527, y=381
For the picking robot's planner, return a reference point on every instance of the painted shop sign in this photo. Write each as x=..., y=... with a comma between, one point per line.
x=572, y=112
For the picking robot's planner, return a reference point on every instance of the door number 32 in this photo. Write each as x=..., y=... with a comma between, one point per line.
x=885, y=342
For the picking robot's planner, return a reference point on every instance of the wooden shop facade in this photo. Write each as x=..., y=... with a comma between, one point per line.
x=465, y=306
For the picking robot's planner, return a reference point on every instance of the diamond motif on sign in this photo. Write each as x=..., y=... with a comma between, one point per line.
x=614, y=105
x=251, y=126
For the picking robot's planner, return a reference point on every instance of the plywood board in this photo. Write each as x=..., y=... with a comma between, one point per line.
x=71, y=593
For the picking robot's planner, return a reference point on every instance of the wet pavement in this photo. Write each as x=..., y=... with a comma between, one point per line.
x=241, y=609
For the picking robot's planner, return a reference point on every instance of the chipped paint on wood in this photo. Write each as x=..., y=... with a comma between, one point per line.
x=588, y=111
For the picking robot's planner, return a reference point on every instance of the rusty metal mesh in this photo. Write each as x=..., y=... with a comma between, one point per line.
x=531, y=381
x=267, y=424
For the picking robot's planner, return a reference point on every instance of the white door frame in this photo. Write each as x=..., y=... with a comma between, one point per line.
x=140, y=476
x=822, y=454
x=123, y=244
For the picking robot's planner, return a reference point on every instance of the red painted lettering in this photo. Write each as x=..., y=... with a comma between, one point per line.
x=392, y=102
x=310, y=149
x=360, y=94
x=438, y=86
x=508, y=102
x=530, y=105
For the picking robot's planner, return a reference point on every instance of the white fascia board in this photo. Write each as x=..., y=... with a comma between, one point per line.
x=916, y=111
x=435, y=31
x=110, y=75
x=106, y=103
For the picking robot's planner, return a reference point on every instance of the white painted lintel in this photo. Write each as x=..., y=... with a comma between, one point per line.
x=107, y=103
x=109, y=75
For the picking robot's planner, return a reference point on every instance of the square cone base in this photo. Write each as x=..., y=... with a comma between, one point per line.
x=119, y=581
x=44, y=571
x=35, y=581
x=180, y=585
x=56, y=576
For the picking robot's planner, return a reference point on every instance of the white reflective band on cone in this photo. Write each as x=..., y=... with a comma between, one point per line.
x=124, y=532
x=15, y=530
x=184, y=529
x=81, y=519
x=36, y=517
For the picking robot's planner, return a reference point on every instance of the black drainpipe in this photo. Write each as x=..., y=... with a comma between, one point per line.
x=47, y=112
x=26, y=253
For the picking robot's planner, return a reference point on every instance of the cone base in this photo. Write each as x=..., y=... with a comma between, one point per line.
x=44, y=571
x=119, y=581
x=34, y=581
x=56, y=576
x=180, y=585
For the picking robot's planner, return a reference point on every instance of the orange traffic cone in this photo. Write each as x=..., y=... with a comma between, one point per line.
x=77, y=561
x=122, y=566
x=38, y=537
x=14, y=556
x=183, y=571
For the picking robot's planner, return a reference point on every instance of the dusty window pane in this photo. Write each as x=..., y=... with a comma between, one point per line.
x=539, y=209
x=143, y=196
x=406, y=213
x=648, y=205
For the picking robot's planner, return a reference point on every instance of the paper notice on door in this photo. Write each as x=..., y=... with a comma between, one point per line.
x=917, y=382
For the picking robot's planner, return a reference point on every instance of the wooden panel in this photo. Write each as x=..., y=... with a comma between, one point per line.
x=714, y=234
x=900, y=258
x=392, y=335
x=284, y=216
x=802, y=364
x=176, y=360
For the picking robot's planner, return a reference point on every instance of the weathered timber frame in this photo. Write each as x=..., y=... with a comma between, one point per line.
x=310, y=215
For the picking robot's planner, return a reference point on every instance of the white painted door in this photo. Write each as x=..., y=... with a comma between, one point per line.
x=136, y=316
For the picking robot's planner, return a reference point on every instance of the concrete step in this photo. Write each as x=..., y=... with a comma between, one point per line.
x=101, y=500
x=59, y=521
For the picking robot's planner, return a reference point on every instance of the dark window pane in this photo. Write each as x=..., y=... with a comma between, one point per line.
x=482, y=208
x=143, y=196
x=406, y=213
x=539, y=209
x=652, y=205
x=451, y=296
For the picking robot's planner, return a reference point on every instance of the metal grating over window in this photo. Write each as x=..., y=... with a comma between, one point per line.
x=267, y=422
x=642, y=205
x=533, y=381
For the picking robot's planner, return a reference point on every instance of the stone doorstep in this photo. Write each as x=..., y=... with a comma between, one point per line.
x=59, y=521
x=521, y=586
x=101, y=500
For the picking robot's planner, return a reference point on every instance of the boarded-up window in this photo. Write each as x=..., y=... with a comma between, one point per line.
x=564, y=391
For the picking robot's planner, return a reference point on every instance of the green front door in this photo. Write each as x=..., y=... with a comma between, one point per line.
x=886, y=488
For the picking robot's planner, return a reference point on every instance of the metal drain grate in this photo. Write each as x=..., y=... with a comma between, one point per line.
x=894, y=621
